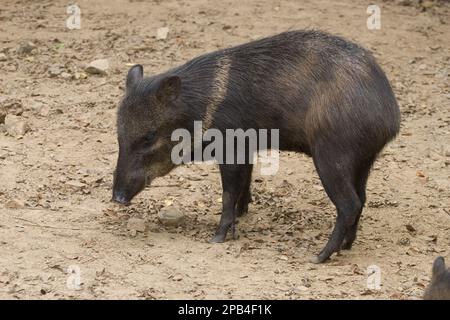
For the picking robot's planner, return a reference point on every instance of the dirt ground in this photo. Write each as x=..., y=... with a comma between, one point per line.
x=55, y=209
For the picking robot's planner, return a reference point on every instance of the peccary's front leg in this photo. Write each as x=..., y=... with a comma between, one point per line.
x=245, y=196
x=233, y=185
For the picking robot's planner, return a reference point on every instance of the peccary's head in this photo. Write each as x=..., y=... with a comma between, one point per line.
x=144, y=126
x=439, y=288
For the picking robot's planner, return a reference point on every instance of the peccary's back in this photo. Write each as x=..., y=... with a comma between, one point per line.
x=311, y=85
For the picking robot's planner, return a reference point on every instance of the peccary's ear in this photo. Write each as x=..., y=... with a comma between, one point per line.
x=438, y=266
x=135, y=74
x=169, y=89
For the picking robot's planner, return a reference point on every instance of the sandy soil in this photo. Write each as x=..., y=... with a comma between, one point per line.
x=56, y=179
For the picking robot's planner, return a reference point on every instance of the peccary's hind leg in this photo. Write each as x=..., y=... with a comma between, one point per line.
x=337, y=176
x=233, y=185
x=360, y=184
x=245, y=196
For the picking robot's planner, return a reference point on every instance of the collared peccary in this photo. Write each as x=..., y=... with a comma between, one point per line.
x=327, y=96
x=439, y=288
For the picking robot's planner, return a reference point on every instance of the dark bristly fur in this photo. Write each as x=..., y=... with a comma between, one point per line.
x=326, y=95
x=439, y=288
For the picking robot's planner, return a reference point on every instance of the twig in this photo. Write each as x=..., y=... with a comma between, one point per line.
x=50, y=227
x=292, y=225
x=164, y=185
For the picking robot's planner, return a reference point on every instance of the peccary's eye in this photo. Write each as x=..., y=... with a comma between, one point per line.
x=148, y=139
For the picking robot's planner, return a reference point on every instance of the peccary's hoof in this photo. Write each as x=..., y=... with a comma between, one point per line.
x=218, y=238
x=314, y=260
x=318, y=259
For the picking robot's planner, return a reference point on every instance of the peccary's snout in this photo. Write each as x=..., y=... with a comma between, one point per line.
x=129, y=180
x=119, y=196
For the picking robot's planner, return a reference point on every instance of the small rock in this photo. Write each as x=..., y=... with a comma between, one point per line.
x=177, y=277
x=15, y=126
x=14, y=204
x=98, y=67
x=161, y=33
x=75, y=184
x=35, y=107
x=404, y=242
x=170, y=216
x=66, y=75
x=45, y=111
x=11, y=67
x=4, y=279
x=55, y=70
x=3, y=57
x=79, y=75
x=10, y=106
x=136, y=224
x=303, y=288
x=420, y=174
x=38, y=108
x=410, y=228
x=427, y=4
x=405, y=3
x=26, y=47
